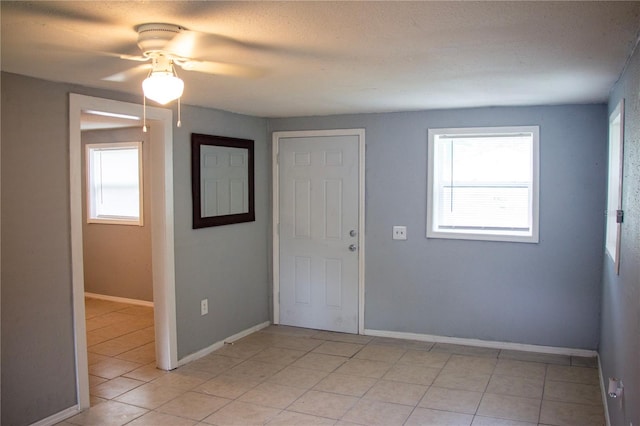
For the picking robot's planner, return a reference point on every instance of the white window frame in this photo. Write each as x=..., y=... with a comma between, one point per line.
x=113, y=220
x=485, y=235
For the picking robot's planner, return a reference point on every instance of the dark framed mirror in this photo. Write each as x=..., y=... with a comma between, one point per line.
x=222, y=186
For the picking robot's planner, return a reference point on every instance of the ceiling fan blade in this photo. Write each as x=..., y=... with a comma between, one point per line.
x=221, y=68
x=128, y=74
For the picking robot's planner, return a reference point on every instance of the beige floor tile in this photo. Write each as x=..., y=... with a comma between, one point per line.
x=240, y=350
x=471, y=363
x=180, y=381
x=303, y=378
x=289, y=418
x=138, y=311
x=463, y=380
x=298, y=343
x=290, y=331
x=153, y=418
x=93, y=358
x=515, y=368
x=95, y=380
x=108, y=413
x=492, y=421
x=535, y=357
x=516, y=386
x=343, y=337
x=321, y=362
x=569, y=414
x=364, y=368
x=585, y=375
x=465, y=350
x=255, y=370
x=459, y=401
x=378, y=413
x=142, y=355
x=113, y=347
x=338, y=348
x=214, y=364
x=106, y=320
x=385, y=353
x=225, y=386
x=110, y=368
x=115, y=387
x=412, y=374
x=95, y=400
x=323, y=404
x=242, y=414
x=403, y=343
x=425, y=359
x=272, y=395
x=429, y=417
x=396, y=392
x=280, y=356
x=150, y=396
x=572, y=392
x=146, y=373
x=509, y=407
x=192, y=405
x=345, y=385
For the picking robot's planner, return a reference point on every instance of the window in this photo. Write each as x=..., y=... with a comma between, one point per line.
x=483, y=184
x=114, y=183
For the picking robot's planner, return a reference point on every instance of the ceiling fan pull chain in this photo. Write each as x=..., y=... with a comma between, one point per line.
x=179, y=123
x=144, y=113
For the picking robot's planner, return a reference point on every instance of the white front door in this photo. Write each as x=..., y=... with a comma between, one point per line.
x=319, y=211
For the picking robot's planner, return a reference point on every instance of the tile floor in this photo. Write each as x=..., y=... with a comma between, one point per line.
x=292, y=376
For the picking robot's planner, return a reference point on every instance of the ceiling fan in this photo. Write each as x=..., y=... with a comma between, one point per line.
x=165, y=46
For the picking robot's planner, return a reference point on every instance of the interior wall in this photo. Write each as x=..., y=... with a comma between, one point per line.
x=620, y=325
x=228, y=265
x=38, y=370
x=117, y=258
x=541, y=294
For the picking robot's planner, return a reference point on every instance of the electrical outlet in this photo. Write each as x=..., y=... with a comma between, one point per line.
x=204, y=306
x=399, y=232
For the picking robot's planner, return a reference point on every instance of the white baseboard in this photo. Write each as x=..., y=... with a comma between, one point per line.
x=482, y=343
x=206, y=351
x=119, y=299
x=58, y=417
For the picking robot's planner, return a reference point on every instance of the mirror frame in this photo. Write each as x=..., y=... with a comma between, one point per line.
x=198, y=140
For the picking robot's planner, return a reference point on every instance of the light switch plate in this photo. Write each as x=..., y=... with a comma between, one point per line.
x=399, y=232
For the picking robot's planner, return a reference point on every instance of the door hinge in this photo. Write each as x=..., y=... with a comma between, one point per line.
x=619, y=216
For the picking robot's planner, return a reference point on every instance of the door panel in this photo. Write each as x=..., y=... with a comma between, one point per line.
x=318, y=209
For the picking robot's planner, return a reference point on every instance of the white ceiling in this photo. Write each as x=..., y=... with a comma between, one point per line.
x=318, y=58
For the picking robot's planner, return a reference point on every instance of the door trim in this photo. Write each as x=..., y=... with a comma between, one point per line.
x=276, y=212
x=162, y=234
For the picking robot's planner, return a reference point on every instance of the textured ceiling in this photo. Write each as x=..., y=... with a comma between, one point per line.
x=318, y=58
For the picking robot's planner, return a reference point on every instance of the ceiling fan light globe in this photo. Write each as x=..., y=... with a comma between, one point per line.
x=162, y=87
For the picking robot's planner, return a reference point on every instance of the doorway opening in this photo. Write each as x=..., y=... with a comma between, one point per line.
x=162, y=239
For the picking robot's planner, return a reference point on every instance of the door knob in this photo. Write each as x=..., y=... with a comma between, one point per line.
x=352, y=247
x=352, y=233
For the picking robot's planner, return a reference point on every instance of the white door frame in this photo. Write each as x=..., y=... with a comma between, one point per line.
x=276, y=212
x=162, y=234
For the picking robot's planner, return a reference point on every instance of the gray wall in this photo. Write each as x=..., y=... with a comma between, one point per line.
x=38, y=372
x=117, y=258
x=620, y=325
x=541, y=294
x=228, y=264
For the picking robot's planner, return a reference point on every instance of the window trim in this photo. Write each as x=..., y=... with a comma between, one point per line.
x=489, y=235
x=114, y=220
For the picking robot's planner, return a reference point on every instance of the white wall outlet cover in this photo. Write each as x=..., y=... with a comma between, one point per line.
x=399, y=232
x=204, y=306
